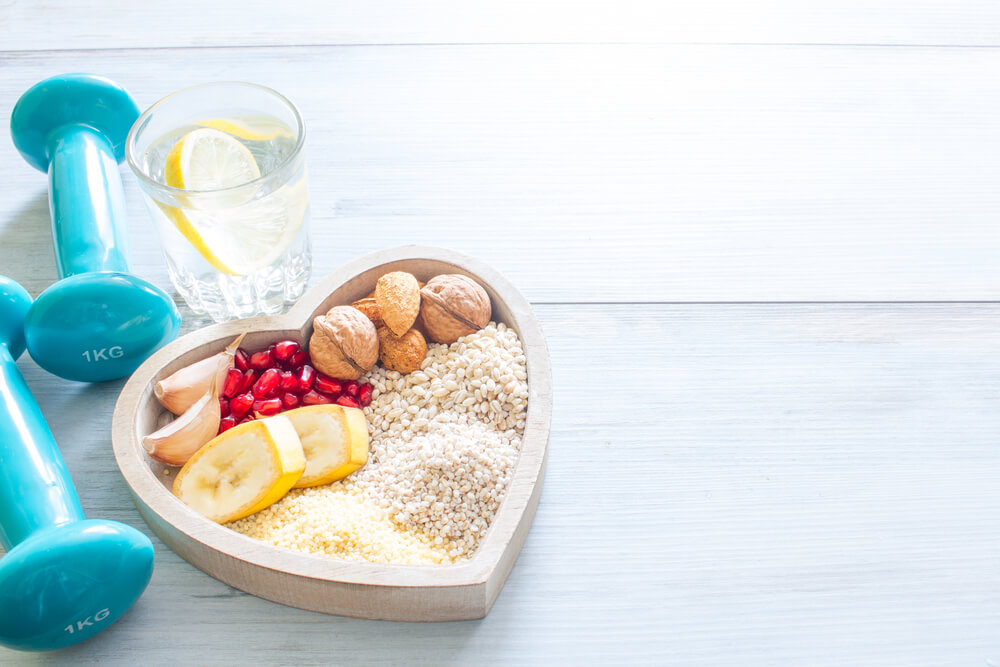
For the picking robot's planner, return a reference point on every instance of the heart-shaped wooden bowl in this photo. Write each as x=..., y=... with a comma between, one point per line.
x=393, y=592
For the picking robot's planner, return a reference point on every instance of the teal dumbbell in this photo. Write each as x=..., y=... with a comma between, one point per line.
x=64, y=578
x=98, y=322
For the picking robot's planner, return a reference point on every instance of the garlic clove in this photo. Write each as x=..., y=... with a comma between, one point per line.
x=176, y=442
x=181, y=390
x=184, y=387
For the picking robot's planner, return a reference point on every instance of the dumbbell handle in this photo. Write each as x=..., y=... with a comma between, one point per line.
x=87, y=202
x=35, y=487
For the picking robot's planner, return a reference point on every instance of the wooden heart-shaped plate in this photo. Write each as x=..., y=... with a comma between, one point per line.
x=393, y=592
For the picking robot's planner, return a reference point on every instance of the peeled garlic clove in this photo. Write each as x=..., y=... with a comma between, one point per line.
x=181, y=390
x=176, y=442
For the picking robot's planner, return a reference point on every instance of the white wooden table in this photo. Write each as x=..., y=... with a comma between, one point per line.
x=763, y=240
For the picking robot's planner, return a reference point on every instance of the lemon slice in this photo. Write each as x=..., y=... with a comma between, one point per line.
x=251, y=129
x=243, y=470
x=235, y=237
x=209, y=159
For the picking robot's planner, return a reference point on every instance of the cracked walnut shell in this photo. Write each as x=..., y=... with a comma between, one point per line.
x=403, y=354
x=397, y=295
x=452, y=306
x=370, y=310
x=344, y=343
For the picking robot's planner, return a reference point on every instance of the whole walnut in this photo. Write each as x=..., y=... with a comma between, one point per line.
x=403, y=354
x=344, y=343
x=452, y=306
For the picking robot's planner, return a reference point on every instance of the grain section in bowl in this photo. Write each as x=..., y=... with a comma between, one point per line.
x=397, y=592
x=444, y=441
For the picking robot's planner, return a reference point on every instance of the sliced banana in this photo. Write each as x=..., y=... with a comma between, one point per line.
x=243, y=470
x=334, y=439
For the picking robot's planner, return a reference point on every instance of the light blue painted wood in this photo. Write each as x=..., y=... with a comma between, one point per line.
x=780, y=484
x=759, y=484
x=72, y=25
x=680, y=173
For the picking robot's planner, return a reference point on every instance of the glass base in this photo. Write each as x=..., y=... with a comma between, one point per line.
x=225, y=297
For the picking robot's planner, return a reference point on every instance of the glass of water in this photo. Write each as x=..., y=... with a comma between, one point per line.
x=222, y=171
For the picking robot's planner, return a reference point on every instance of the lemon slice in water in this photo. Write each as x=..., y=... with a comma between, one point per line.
x=251, y=129
x=237, y=238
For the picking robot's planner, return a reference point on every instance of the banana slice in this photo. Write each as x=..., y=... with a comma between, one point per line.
x=243, y=470
x=334, y=439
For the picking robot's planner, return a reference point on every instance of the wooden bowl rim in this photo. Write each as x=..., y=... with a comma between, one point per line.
x=148, y=489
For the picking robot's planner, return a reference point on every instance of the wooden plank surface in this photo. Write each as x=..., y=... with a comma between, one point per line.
x=74, y=25
x=809, y=484
x=771, y=482
x=610, y=172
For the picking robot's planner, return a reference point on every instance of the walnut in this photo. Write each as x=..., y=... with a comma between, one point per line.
x=403, y=354
x=371, y=295
x=344, y=343
x=398, y=297
x=452, y=306
x=370, y=309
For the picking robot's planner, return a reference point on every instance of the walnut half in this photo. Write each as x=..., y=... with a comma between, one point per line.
x=403, y=354
x=370, y=310
x=397, y=295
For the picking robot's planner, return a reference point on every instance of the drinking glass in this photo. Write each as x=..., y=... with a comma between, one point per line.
x=235, y=250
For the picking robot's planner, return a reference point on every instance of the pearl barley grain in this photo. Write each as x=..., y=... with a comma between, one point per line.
x=443, y=443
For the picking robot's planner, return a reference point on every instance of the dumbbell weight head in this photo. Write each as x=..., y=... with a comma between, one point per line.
x=99, y=326
x=66, y=583
x=14, y=304
x=71, y=100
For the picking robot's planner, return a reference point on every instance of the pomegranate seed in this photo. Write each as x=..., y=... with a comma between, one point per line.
x=348, y=402
x=242, y=359
x=267, y=407
x=223, y=407
x=290, y=401
x=288, y=382
x=248, y=418
x=306, y=376
x=315, y=398
x=285, y=349
x=262, y=360
x=240, y=405
x=249, y=377
x=298, y=359
x=267, y=383
x=226, y=423
x=233, y=382
x=327, y=385
x=352, y=388
x=365, y=395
